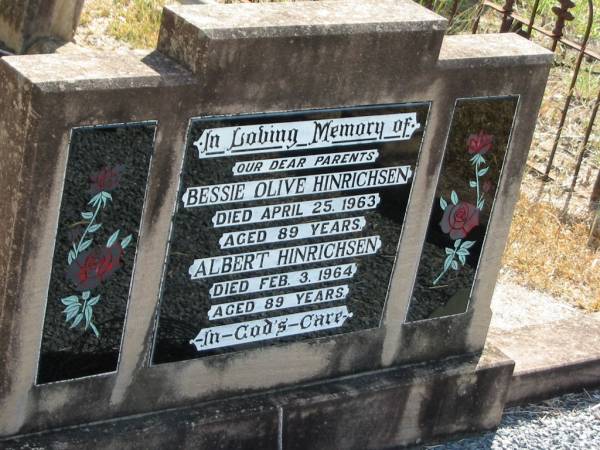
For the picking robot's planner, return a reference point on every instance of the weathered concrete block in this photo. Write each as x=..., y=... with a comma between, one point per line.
x=241, y=424
x=383, y=409
x=403, y=406
x=304, y=46
x=24, y=22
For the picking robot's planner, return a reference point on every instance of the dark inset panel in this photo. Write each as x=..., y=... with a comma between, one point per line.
x=98, y=228
x=208, y=306
x=473, y=160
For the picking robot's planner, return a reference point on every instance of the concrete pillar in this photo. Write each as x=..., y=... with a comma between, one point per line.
x=23, y=23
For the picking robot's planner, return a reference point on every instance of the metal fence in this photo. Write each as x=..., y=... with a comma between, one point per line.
x=511, y=21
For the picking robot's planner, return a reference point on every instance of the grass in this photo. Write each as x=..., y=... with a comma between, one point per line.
x=93, y=9
x=135, y=22
x=547, y=253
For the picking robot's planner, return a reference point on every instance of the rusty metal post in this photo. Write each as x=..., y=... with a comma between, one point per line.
x=561, y=18
x=453, y=10
x=477, y=17
x=595, y=197
x=532, y=19
x=586, y=139
x=507, y=19
x=562, y=15
x=428, y=4
x=594, y=240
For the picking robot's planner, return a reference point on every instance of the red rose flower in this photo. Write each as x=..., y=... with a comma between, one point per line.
x=479, y=143
x=459, y=219
x=106, y=179
x=93, y=267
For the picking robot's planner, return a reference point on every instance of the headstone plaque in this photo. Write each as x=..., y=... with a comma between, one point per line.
x=245, y=236
x=95, y=249
x=466, y=192
x=286, y=227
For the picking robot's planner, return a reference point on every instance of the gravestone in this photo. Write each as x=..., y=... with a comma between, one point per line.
x=289, y=215
x=26, y=23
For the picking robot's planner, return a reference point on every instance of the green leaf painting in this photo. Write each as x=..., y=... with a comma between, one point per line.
x=460, y=218
x=90, y=265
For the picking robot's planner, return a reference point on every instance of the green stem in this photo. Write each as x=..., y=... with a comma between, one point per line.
x=92, y=220
x=477, y=180
x=439, y=277
x=444, y=271
x=83, y=311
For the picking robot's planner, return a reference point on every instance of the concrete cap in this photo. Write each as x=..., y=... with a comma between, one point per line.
x=506, y=49
x=264, y=20
x=309, y=34
x=92, y=70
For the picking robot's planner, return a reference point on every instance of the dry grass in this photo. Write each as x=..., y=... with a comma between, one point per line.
x=134, y=22
x=549, y=254
x=94, y=10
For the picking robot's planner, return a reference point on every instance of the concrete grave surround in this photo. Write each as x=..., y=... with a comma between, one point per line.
x=234, y=59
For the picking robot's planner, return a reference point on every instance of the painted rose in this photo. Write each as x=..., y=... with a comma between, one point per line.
x=459, y=220
x=106, y=179
x=480, y=143
x=93, y=267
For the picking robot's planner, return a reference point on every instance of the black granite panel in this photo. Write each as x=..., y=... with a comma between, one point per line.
x=350, y=291
x=96, y=240
x=474, y=156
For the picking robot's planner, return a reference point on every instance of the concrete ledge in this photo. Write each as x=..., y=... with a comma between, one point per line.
x=381, y=409
x=94, y=71
x=552, y=358
x=491, y=50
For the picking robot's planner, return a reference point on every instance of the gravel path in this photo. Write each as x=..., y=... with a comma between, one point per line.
x=569, y=422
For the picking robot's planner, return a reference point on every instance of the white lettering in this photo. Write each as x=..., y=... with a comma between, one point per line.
x=278, y=302
x=271, y=328
x=283, y=280
x=305, y=162
x=305, y=135
x=290, y=187
x=283, y=257
x=270, y=213
x=292, y=232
